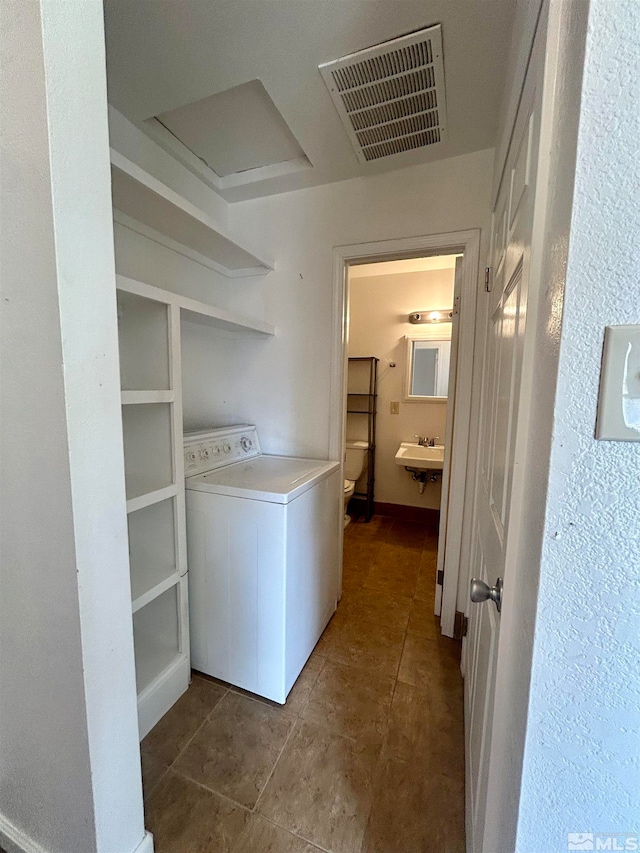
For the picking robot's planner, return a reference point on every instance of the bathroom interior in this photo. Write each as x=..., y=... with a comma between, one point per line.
x=399, y=314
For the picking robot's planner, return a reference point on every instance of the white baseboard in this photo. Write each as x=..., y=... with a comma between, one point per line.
x=146, y=845
x=14, y=840
x=156, y=699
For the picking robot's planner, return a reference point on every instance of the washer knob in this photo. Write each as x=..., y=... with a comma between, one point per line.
x=245, y=443
x=227, y=448
x=191, y=456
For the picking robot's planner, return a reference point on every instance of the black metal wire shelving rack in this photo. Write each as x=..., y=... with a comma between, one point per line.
x=364, y=403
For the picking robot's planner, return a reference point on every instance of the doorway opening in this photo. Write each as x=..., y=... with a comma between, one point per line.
x=402, y=339
x=401, y=318
x=420, y=356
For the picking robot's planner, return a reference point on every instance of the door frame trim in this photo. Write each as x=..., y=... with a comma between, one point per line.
x=462, y=470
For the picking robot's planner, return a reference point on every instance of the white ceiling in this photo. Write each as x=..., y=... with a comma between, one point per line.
x=164, y=54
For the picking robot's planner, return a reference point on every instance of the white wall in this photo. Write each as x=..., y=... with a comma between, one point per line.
x=581, y=771
x=283, y=384
x=288, y=381
x=378, y=309
x=69, y=760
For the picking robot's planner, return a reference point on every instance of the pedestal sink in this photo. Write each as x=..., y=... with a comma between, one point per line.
x=413, y=455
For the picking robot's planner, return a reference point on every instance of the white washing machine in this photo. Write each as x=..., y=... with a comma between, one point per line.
x=263, y=537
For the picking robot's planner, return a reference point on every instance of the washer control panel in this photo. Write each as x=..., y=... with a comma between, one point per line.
x=206, y=450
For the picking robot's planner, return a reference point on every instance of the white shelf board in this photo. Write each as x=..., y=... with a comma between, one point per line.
x=146, y=205
x=132, y=398
x=149, y=498
x=156, y=637
x=153, y=553
x=154, y=592
x=151, y=662
x=195, y=311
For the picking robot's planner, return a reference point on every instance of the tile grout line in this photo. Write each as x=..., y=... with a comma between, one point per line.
x=396, y=680
x=406, y=633
x=273, y=769
x=294, y=717
x=227, y=690
x=156, y=786
x=188, y=743
x=213, y=790
x=210, y=790
x=294, y=834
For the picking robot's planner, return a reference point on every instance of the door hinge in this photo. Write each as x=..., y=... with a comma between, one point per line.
x=440, y=577
x=459, y=625
x=488, y=283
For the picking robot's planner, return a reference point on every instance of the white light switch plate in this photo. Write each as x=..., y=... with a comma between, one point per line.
x=619, y=399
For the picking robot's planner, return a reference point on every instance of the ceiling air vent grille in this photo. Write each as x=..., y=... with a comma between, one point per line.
x=390, y=98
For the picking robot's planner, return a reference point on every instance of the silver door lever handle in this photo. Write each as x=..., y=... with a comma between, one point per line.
x=480, y=591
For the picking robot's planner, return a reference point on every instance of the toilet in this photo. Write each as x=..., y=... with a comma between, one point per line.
x=355, y=455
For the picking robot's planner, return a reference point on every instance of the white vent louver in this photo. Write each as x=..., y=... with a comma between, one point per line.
x=390, y=98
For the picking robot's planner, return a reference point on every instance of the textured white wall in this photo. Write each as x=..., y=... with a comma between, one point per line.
x=378, y=309
x=69, y=759
x=582, y=758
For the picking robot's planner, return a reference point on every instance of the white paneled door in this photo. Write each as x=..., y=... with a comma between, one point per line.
x=505, y=324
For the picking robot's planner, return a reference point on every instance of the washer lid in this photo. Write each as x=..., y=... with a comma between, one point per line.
x=276, y=479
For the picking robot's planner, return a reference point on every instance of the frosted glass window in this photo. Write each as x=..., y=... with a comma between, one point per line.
x=425, y=368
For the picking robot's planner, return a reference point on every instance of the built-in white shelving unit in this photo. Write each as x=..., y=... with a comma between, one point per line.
x=196, y=312
x=146, y=205
x=149, y=341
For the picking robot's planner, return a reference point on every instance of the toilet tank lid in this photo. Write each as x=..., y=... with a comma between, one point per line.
x=356, y=445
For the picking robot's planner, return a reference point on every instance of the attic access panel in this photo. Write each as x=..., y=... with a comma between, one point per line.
x=234, y=131
x=391, y=97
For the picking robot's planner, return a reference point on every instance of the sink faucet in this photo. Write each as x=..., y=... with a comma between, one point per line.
x=423, y=441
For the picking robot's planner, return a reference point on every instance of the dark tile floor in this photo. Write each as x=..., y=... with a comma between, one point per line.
x=367, y=754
